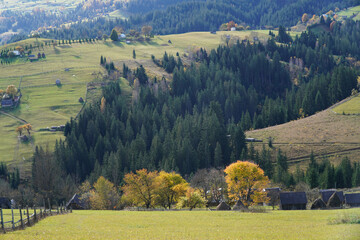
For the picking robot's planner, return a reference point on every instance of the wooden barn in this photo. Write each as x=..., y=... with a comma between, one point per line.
x=327, y=193
x=75, y=203
x=352, y=199
x=293, y=200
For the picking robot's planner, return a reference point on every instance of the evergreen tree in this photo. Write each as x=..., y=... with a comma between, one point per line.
x=114, y=35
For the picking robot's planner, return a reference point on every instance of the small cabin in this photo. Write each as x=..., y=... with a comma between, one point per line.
x=122, y=35
x=75, y=203
x=293, y=200
x=327, y=193
x=7, y=102
x=233, y=29
x=352, y=199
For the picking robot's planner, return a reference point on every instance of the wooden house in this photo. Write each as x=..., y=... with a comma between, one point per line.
x=352, y=199
x=75, y=203
x=326, y=194
x=293, y=200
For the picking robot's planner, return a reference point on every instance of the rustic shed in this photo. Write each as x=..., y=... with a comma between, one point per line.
x=318, y=204
x=327, y=193
x=352, y=199
x=238, y=206
x=7, y=102
x=75, y=203
x=293, y=200
x=223, y=207
x=334, y=201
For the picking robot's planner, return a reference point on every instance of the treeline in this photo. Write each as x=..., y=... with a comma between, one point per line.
x=209, y=15
x=319, y=173
x=187, y=16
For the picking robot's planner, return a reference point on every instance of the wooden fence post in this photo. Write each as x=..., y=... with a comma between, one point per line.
x=28, y=217
x=2, y=220
x=12, y=217
x=21, y=218
x=49, y=206
x=57, y=209
x=35, y=218
x=44, y=208
x=41, y=215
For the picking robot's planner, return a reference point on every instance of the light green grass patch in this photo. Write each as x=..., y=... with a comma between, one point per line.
x=191, y=225
x=350, y=107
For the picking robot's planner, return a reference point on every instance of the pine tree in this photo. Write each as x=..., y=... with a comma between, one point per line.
x=114, y=35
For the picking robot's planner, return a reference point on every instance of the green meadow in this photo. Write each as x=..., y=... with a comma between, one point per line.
x=350, y=107
x=310, y=224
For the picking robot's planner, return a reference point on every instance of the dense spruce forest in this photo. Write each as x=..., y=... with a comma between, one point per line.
x=187, y=16
x=199, y=120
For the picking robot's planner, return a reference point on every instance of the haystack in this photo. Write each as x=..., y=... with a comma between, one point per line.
x=223, y=207
x=334, y=201
x=238, y=206
x=318, y=204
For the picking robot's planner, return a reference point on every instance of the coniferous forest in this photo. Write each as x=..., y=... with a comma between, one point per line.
x=198, y=121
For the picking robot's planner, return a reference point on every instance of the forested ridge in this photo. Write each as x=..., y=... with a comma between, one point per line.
x=198, y=122
x=187, y=16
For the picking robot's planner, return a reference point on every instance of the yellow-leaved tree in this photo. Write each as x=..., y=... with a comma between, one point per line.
x=11, y=91
x=140, y=188
x=192, y=199
x=104, y=195
x=170, y=187
x=246, y=182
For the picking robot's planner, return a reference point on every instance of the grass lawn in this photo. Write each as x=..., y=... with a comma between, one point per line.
x=350, y=107
x=192, y=225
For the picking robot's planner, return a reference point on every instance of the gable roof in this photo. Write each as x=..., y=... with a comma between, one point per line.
x=352, y=198
x=76, y=200
x=327, y=193
x=293, y=198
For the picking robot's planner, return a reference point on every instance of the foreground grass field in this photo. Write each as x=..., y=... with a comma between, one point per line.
x=192, y=225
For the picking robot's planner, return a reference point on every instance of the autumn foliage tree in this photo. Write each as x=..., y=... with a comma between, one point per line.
x=104, y=195
x=246, y=182
x=140, y=188
x=305, y=18
x=11, y=91
x=171, y=186
x=192, y=199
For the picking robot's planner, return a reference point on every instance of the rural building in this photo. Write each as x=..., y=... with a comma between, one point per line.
x=352, y=199
x=7, y=102
x=318, y=204
x=223, y=207
x=293, y=200
x=32, y=58
x=5, y=202
x=16, y=53
x=75, y=203
x=122, y=35
x=58, y=82
x=233, y=29
x=238, y=206
x=327, y=193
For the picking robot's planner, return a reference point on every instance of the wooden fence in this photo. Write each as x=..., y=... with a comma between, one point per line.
x=20, y=218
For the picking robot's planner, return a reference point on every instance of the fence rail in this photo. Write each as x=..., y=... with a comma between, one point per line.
x=24, y=219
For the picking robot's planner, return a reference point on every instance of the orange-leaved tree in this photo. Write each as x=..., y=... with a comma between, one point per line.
x=171, y=186
x=246, y=182
x=140, y=188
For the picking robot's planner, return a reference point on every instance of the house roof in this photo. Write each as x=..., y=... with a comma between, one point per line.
x=293, y=198
x=352, y=198
x=326, y=194
x=75, y=199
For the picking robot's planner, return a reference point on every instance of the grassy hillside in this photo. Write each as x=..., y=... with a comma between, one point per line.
x=44, y=104
x=328, y=133
x=353, y=12
x=193, y=225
